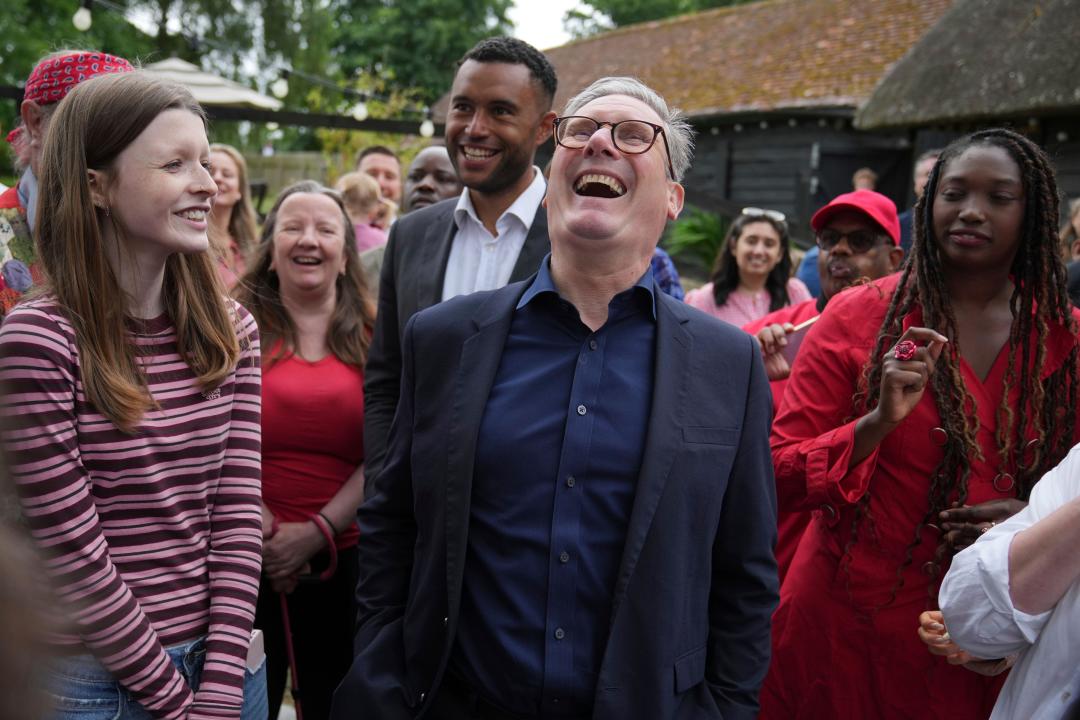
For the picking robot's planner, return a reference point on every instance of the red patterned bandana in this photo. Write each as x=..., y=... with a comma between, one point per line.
x=52, y=79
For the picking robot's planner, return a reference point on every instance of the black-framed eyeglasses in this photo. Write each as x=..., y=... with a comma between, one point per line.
x=632, y=137
x=858, y=241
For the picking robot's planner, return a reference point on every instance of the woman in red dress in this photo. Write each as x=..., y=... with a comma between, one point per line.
x=952, y=384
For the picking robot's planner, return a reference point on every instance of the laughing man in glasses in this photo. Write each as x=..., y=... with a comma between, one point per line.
x=576, y=515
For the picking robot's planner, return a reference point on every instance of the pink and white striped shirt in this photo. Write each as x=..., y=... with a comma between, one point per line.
x=151, y=539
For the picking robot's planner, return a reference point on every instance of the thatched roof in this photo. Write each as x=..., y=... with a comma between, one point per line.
x=983, y=59
x=763, y=56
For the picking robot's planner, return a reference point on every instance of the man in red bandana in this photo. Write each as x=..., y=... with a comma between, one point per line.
x=48, y=84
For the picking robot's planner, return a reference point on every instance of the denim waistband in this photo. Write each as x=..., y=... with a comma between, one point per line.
x=187, y=657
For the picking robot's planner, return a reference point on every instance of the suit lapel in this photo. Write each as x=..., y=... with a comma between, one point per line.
x=664, y=435
x=434, y=254
x=480, y=356
x=535, y=248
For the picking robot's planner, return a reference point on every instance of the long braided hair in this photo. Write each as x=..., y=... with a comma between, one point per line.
x=1039, y=300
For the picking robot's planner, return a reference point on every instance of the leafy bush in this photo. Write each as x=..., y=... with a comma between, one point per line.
x=695, y=238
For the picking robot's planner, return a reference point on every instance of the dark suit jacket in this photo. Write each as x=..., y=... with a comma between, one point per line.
x=413, y=269
x=689, y=635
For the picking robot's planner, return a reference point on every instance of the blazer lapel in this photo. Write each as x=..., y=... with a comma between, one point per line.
x=480, y=356
x=535, y=248
x=434, y=255
x=664, y=435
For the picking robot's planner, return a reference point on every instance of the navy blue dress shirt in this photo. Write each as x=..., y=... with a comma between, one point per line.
x=557, y=461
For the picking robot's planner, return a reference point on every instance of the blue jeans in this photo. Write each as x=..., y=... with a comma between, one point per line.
x=80, y=688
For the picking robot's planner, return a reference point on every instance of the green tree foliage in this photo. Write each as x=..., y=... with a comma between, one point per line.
x=342, y=146
x=414, y=43
x=226, y=37
x=595, y=16
x=33, y=28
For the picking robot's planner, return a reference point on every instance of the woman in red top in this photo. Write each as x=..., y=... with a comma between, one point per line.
x=306, y=290
x=979, y=318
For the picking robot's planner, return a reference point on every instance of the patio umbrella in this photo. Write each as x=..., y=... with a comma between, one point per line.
x=210, y=89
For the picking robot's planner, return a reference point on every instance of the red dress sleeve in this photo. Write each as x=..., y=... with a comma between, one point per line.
x=814, y=432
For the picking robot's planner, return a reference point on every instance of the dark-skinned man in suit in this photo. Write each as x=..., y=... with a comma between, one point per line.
x=494, y=233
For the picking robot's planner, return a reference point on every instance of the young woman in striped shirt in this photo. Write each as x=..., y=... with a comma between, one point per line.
x=132, y=410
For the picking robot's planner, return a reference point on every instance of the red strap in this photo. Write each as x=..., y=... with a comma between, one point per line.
x=328, y=534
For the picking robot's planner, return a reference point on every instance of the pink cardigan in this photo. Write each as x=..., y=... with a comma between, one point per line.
x=741, y=308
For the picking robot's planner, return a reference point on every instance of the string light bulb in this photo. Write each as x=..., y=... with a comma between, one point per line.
x=359, y=111
x=82, y=19
x=427, y=128
x=280, y=87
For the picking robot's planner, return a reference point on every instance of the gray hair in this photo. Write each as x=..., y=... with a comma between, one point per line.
x=679, y=134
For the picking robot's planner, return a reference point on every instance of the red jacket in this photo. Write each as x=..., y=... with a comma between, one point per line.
x=791, y=524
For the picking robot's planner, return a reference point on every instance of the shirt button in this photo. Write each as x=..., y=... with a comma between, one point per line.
x=559, y=633
x=570, y=481
x=581, y=410
x=445, y=621
x=564, y=557
x=593, y=344
x=422, y=696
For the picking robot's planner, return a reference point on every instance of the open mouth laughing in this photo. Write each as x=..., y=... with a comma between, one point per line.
x=599, y=185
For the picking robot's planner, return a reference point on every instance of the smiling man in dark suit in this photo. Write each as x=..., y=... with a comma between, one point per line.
x=577, y=513
x=494, y=233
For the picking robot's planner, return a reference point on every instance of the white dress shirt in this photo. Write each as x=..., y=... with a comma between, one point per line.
x=979, y=614
x=479, y=261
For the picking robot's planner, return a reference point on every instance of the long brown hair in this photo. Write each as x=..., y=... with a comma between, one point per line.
x=92, y=126
x=243, y=225
x=259, y=291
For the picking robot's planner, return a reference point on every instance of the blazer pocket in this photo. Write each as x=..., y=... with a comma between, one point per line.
x=690, y=670
x=711, y=435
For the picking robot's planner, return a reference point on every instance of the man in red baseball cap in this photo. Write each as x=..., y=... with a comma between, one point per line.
x=858, y=234
x=49, y=82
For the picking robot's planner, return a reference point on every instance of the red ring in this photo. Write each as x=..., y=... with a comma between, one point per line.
x=905, y=350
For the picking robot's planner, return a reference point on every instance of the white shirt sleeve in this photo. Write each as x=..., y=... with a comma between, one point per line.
x=974, y=596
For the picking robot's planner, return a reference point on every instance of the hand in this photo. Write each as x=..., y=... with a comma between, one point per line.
x=933, y=633
x=990, y=668
x=288, y=551
x=772, y=338
x=289, y=583
x=964, y=524
x=903, y=382
x=936, y=638
x=267, y=523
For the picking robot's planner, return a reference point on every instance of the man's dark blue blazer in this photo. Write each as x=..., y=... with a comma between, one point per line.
x=697, y=585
